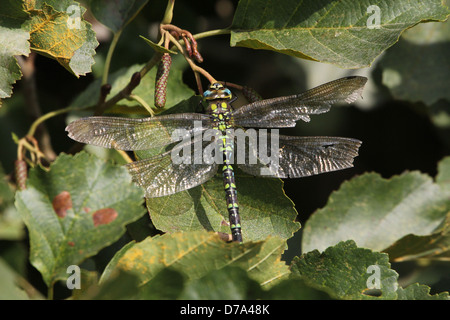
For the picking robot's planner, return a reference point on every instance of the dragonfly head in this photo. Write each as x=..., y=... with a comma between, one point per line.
x=217, y=91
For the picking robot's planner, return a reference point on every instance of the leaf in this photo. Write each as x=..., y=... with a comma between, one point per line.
x=443, y=175
x=413, y=70
x=265, y=210
x=9, y=289
x=58, y=31
x=121, y=286
x=157, y=47
x=197, y=253
x=295, y=288
x=168, y=284
x=63, y=231
x=116, y=14
x=377, y=212
x=229, y=283
x=329, y=31
x=14, y=35
x=433, y=246
x=11, y=224
x=348, y=272
x=177, y=91
x=419, y=292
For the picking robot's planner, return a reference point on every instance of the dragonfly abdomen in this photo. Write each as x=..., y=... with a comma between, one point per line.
x=232, y=202
x=221, y=114
x=229, y=185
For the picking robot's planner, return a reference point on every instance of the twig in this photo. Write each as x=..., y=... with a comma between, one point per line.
x=112, y=46
x=124, y=93
x=32, y=103
x=193, y=66
x=154, y=60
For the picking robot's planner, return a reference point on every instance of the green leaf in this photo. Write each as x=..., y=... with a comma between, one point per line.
x=419, y=292
x=443, y=176
x=414, y=69
x=9, y=289
x=204, y=207
x=11, y=224
x=437, y=244
x=229, y=283
x=329, y=31
x=377, y=212
x=157, y=47
x=58, y=31
x=348, y=272
x=197, y=253
x=434, y=246
x=78, y=207
x=122, y=285
x=295, y=288
x=168, y=284
x=14, y=35
x=116, y=14
x=177, y=91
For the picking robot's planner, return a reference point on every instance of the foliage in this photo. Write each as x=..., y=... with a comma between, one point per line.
x=83, y=210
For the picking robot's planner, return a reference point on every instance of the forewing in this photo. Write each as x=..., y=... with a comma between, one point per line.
x=305, y=156
x=136, y=134
x=285, y=111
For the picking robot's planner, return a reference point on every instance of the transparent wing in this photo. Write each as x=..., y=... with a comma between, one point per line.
x=285, y=111
x=166, y=174
x=303, y=156
x=136, y=134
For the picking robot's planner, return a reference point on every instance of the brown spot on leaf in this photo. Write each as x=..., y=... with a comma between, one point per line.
x=224, y=223
x=61, y=203
x=104, y=216
x=224, y=236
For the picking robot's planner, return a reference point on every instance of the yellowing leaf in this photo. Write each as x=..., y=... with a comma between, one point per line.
x=197, y=253
x=63, y=36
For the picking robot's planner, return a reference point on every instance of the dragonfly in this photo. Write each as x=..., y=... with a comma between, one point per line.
x=167, y=173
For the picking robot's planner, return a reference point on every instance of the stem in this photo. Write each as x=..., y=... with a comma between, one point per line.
x=125, y=156
x=142, y=103
x=50, y=292
x=211, y=33
x=193, y=66
x=49, y=115
x=169, y=12
x=112, y=46
x=32, y=103
x=150, y=64
x=124, y=93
